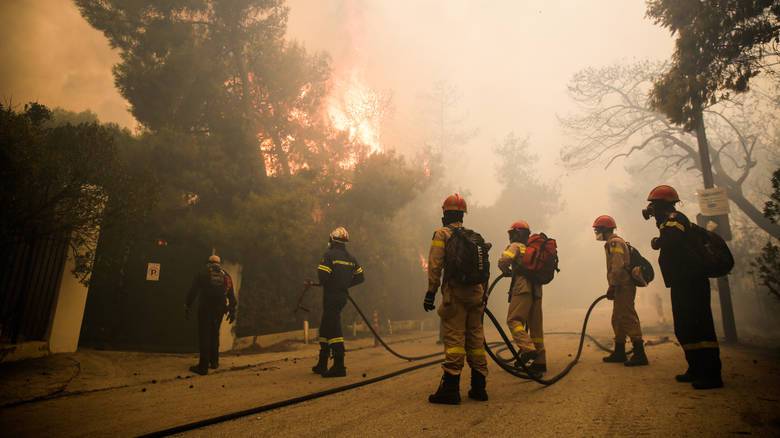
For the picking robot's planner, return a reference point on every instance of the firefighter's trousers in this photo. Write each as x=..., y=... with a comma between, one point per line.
x=625, y=321
x=330, y=327
x=209, y=319
x=526, y=323
x=694, y=327
x=461, y=316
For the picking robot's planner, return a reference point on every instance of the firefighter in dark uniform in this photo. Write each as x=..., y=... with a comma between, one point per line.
x=213, y=288
x=693, y=324
x=337, y=272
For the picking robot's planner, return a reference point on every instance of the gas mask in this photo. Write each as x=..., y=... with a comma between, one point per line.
x=600, y=234
x=648, y=212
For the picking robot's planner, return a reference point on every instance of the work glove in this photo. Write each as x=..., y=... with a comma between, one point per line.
x=655, y=244
x=430, y=296
x=611, y=293
x=186, y=313
x=231, y=316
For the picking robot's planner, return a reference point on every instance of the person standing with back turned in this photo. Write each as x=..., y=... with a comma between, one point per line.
x=460, y=311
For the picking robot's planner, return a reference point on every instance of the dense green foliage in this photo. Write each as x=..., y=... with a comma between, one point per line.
x=720, y=46
x=66, y=180
x=767, y=265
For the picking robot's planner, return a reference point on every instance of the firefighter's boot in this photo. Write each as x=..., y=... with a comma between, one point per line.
x=477, y=391
x=638, y=358
x=526, y=358
x=322, y=364
x=617, y=356
x=338, y=369
x=448, y=392
x=538, y=368
x=686, y=377
x=708, y=383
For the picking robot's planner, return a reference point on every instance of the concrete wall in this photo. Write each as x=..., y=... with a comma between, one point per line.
x=68, y=312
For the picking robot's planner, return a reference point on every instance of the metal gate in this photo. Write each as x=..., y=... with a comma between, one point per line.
x=30, y=277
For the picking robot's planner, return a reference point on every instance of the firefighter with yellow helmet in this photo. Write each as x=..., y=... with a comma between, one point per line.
x=337, y=272
x=461, y=308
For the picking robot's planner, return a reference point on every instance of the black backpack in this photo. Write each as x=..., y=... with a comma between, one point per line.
x=636, y=260
x=466, y=259
x=713, y=255
x=216, y=282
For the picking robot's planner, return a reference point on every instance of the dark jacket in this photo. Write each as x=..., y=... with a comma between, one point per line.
x=678, y=265
x=338, y=270
x=209, y=296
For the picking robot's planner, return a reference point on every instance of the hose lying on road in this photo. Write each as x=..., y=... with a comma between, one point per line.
x=525, y=373
x=384, y=344
x=280, y=404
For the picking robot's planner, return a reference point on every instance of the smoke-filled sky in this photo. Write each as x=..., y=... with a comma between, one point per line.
x=509, y=60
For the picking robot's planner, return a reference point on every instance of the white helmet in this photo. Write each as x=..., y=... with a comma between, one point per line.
x=340, y=234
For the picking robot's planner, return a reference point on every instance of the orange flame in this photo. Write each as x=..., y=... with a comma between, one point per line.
x=358, y=110
x=423, y=262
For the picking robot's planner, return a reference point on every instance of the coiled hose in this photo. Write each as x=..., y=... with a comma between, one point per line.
x=525, y=373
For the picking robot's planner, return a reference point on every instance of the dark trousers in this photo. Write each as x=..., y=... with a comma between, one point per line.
x=209, y=321
x=330, y=327
x=694, y=327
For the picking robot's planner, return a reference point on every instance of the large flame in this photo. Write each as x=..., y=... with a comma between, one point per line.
x=355, y=108
x=423, y=262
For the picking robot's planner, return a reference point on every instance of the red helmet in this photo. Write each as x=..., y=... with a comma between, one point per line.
x=604, y=221
x=663, y=193
x=454, y=203
x=520, y=225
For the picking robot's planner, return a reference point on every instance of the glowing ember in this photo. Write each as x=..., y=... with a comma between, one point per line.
x=358, y=110
x=423, y=262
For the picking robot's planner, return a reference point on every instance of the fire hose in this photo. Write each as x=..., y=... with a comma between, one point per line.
x=524, y=372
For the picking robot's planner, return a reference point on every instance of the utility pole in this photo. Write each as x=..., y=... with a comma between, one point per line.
x=724, y=288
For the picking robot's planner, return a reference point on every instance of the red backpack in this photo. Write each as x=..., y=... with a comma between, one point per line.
x=540, y=261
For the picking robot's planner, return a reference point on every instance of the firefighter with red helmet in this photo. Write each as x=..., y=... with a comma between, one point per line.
x=460, y=310
x=690, y=291
x=337, y=272
x=524, y=317
x=622, y=292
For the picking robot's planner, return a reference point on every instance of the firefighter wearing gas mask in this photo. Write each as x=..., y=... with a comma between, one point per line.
x=622, y=292
x=690, y=290
x=337, y=272
x=460, y=310
x=524, y=317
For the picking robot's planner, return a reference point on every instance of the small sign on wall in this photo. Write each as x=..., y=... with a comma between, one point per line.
x=153, y=272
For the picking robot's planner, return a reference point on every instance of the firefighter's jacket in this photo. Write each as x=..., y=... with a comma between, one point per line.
x=675, y=259
x=436, y=255
x=618, y=262
x=338, y=270
x=510, y=263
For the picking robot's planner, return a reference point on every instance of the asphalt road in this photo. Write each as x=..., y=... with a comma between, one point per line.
x=596, y=399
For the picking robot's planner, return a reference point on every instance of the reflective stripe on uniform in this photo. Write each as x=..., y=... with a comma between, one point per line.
x=322, y=340
x=476, y=352
x=455, y=350
x=359, y=270
x=324, y=268
x=674, y=224
x=437, y=243
x=509, y=254
x=537, y=340
x=520, y=327
x=335, y=341
x=343, y=262
x=700, y=345
x=616, y=250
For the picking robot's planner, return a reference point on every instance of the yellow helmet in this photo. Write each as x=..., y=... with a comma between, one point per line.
x=340, y=234
x=215, y=259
